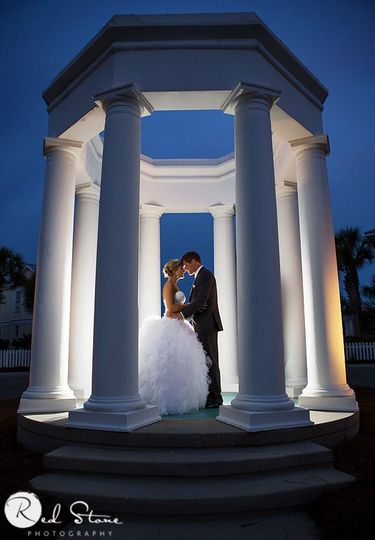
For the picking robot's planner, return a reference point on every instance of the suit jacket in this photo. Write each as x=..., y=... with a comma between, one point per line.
x=203, y=306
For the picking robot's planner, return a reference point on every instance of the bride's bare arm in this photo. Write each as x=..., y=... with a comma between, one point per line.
x=176, y=308
x=168, y=294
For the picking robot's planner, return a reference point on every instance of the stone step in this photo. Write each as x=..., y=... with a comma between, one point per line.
x=187, y=462
x=170, y=496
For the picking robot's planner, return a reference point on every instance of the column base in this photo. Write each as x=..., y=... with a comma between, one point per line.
x=39, y=399
x=264, y=421
x=46, y=405
x=113, y=421
x=329, y=403
x=338, y=397
x=230, y=385
x=294, y=391
x=81, y=394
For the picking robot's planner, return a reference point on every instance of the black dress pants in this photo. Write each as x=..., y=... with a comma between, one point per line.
x=209, y=342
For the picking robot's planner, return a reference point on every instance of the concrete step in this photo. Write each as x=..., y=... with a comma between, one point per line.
x=44, y=433
x=183, y=462
x=171, y=496
x=189, y=481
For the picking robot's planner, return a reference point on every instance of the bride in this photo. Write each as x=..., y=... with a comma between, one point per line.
x=172, y=363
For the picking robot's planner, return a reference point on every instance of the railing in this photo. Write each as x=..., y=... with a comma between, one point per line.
x=13, y=358
x=360, y=352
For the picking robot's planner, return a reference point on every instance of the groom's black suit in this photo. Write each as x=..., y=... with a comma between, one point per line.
x=204, y=311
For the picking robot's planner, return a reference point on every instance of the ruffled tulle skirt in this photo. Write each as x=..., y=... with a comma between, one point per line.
x=173, y=366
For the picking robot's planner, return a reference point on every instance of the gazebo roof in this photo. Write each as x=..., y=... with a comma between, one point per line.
x=184, y=62
x=162, y=31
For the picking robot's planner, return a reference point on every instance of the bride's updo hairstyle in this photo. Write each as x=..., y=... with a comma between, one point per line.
x=171, y=266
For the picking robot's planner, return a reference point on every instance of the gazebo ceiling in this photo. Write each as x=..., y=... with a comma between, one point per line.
x=185, y=185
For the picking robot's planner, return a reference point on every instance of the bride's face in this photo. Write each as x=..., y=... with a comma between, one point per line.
x=179, y=273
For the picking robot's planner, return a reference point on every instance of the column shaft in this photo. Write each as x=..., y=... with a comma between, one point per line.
x=262, y=402
x=149, y=269
x=116, y=304
x=115, y=402
x=225, y=273
x=327, y=388
x=83, y=290
x=48, y=389
x=291, y=291
x=260, y=340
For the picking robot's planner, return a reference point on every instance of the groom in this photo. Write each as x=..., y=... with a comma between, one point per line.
x=204, y=311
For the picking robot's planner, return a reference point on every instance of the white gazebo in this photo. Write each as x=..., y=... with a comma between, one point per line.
x=100, y=230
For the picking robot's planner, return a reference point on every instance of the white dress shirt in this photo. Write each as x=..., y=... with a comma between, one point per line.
x=197, y=272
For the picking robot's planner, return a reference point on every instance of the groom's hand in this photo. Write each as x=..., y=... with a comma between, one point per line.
x=176, y=315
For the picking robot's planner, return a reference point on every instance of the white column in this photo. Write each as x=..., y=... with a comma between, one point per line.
x=149, y=261
x=115, y=403
x=291, y=290
x=83, y=289
x=48, y=390
x=225, y=273
x=262, y=403
x=326, y=388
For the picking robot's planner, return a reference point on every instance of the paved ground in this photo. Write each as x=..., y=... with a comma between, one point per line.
x=295, y=525
x=12, y=384
x=361, y=375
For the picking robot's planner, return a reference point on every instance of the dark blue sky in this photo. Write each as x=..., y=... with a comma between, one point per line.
x=333, y=38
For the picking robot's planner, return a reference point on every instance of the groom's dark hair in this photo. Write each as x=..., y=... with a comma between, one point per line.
x=190, y=255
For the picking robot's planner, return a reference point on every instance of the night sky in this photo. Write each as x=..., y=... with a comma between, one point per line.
x=334, y=39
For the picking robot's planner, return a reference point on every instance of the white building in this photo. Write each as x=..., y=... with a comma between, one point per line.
x=15, y=320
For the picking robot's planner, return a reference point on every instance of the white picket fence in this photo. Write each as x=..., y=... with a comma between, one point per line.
x=15, y=358
x=21, y=357
x=360, y=351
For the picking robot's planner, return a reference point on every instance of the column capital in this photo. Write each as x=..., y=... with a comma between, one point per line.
x=51, y=144
x=315, y=142
x=151, y=210
x=88, y=191
x=250, y=92
x=222, y=210
x=127, y=93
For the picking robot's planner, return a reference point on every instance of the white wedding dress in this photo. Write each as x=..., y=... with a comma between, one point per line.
x=172, y=364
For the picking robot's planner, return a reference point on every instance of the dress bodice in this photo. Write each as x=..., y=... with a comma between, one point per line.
x=179, y=297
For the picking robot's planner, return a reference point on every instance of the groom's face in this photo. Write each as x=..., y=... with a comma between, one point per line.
x=190, y=267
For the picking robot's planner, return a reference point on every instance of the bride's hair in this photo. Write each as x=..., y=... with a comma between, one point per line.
x=171, y=266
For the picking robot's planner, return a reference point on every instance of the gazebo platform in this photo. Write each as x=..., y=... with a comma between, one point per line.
x=187, y=467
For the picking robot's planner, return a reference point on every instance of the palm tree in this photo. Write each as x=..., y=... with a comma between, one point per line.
x=354, y=251
x=369, y=291
x=29, y=292
x=11, y=270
